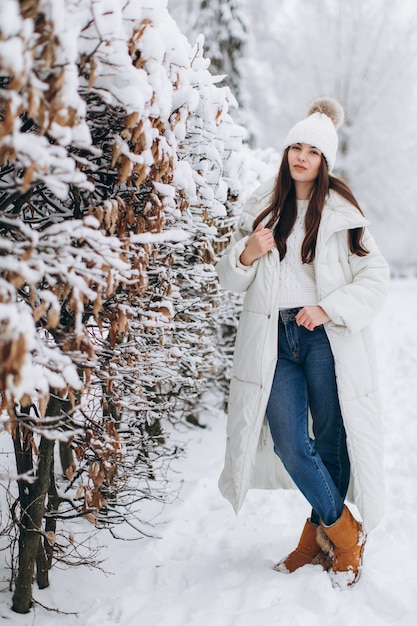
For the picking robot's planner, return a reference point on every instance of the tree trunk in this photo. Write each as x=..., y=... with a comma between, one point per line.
x=42, y=565
x=32, y=500
x=66, y=456
x=44, y=562
x=46, y=549
x=31, y=523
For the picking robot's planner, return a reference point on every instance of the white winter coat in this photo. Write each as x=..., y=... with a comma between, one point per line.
x=351, y=290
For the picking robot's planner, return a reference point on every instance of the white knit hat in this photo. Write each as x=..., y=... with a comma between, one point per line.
x=318, y=129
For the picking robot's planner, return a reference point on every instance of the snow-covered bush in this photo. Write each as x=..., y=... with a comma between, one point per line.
x=118, y=172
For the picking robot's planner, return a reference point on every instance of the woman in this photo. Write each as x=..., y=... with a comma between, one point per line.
x=303, y=405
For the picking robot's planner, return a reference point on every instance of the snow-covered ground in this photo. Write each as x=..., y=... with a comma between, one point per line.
x=211, y=568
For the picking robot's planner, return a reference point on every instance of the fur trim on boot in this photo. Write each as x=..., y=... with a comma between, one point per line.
x=324, y=559
x=324, y=542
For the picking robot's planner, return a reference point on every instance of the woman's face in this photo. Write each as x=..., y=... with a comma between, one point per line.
x=304, y=162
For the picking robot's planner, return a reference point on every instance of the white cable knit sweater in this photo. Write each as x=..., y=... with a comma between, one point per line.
x=297, y=284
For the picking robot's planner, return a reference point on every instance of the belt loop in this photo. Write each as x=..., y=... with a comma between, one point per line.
x=289, y=315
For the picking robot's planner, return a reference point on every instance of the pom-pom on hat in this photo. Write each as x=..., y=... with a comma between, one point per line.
x=318, y=129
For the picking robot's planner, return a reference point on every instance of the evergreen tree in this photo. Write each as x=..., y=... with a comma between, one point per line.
x=224, y=25
x=225, y=32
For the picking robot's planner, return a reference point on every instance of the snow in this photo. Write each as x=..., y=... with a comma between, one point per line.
x=208, y=567
x=174, y=235
x=10, y=19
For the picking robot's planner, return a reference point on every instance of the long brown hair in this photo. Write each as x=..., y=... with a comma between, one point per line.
x=283, y=211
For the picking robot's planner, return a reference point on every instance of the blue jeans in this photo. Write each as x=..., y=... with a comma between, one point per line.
x=305, y=379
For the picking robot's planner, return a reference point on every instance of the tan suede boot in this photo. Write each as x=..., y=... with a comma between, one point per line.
x=307, y=552
x=346, y=543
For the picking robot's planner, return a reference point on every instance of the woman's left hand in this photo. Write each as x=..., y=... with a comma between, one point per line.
x=311, y=316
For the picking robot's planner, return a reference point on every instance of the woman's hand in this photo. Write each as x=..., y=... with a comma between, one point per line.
x=311, y=316
x=259, y=243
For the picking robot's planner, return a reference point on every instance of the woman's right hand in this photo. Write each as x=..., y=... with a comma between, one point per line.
x=259, y=243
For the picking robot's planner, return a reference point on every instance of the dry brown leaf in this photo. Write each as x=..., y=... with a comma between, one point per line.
x=34, y=99
x=18, y=81
x=25, y=401
x=70, y=471
x=92, y=76
x=80, y=493
x=27, y=253
x=131, y=120
x=53, y=318
x=142, y=174
x=79, y=452
x=39, y=311
x=138, y=132
x=98, y=480
x=51, y=537
x=29, y=8
x=91, y=518
x=94, y=469
x=72, y=397
x=125, y=170
x=97, y=501
x=6, y=126
x=33, y=445
x=43, y=404
x=116, y=152
x=98, y=303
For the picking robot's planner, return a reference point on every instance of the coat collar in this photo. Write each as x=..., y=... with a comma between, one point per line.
x=339, y=214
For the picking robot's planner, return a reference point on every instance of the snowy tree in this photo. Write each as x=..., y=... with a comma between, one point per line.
x=224, y=26
x=117, y=159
